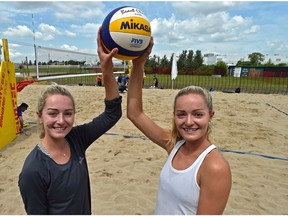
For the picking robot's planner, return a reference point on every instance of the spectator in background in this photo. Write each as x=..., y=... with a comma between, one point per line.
x=20, y=109
x=155, y=81
x=99, y=80
x=123, y=80
x=119, y=79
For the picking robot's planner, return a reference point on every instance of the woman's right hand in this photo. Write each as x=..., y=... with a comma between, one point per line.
x=104, y=57
x=111, y=87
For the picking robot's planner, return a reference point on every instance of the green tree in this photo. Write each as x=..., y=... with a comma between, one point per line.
x=182, y=60
x=281, y=65
x=190, y=59
x=221, y=64
x=269, y=63
x=50, y=62
x=198, y=59
x=256, y=58
x=164, y=62
x=221, y=68
x=152, y=61
x=243, y=63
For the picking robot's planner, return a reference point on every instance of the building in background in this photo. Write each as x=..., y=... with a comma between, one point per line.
x=231, y=60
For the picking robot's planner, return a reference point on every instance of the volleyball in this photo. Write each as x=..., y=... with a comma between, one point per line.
x=128, y=29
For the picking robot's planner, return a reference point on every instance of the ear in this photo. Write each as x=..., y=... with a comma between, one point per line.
x=211, y=115
x=39, y=116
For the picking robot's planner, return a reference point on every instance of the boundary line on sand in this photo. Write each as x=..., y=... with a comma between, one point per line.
x=221, y=149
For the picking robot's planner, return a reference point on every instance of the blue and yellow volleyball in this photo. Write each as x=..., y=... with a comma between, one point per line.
x=128, y=29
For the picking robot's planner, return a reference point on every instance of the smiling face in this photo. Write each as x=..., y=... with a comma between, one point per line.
x=57, y=116
x=192, y=117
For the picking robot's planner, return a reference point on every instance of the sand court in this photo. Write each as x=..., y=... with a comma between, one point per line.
x=124, y=166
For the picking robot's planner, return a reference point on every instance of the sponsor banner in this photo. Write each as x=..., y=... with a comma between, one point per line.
x=9, y=123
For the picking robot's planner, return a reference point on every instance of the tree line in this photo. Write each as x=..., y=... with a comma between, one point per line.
x=192, y=63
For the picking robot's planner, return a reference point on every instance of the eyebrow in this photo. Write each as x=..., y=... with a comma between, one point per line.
x=58, y=109
x=201, y=109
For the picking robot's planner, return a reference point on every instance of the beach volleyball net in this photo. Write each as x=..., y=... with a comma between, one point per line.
x=57, y=63
x=60, y=66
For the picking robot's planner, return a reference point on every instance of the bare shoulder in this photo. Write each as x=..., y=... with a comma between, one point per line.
x=216, y=163
x=215, y=181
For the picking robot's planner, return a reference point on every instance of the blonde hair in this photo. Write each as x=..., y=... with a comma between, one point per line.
x=175, y=136
x=48, y=91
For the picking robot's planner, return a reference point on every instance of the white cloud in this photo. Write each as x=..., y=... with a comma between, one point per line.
x=19, y=31
x=86, y=30
x=11, y=45
x=46, y=32
x=219, y=26
x=277, y=46
x=15, y=54
x=68, y=47
x=194, y=8
x=45, y=28
x=69, y=33
x=76, y=10
x=252, y=29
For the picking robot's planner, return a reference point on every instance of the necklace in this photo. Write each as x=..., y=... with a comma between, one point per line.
x=66, y=149
x=45, y=151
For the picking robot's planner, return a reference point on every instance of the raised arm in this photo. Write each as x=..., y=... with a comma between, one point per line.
x=135, y=112
x=111, y=88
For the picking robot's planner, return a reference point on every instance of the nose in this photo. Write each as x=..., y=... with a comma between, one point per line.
x=189, y=120
x=60, y=118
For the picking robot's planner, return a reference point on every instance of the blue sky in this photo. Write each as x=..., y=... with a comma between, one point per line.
x=227, y=28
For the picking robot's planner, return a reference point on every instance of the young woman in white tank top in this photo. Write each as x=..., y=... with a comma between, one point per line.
x=196, y=178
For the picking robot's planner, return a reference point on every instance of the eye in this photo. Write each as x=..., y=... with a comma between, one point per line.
x=180, y=114
x=199, y=114
x=68, y=113
x=53, y=114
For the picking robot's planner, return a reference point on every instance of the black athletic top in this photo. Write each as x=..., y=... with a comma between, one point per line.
x=49, y=188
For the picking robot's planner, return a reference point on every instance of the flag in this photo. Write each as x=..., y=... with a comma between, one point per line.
x=174, y=70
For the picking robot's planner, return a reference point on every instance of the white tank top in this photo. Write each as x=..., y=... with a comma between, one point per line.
x=178, y=191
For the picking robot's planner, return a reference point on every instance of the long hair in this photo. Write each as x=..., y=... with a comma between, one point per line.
x=48, y=91
x=175, y=136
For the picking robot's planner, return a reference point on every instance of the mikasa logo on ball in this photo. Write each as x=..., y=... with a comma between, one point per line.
x=134, y=25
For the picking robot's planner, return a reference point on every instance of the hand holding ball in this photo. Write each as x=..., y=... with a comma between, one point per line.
x=127, y=29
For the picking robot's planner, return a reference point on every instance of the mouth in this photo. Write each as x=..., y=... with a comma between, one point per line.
x=190, y=129
x=59, y=128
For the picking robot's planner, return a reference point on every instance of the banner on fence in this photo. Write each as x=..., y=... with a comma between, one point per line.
x=237, y=71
